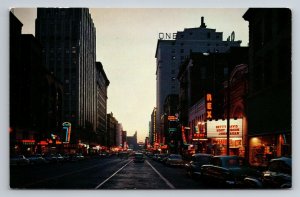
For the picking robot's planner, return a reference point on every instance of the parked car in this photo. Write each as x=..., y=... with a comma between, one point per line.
x=54, y=158
x=193, y=168
x=162, y=157
x=227, y=171
x=66, y=157
x=79, y=156
x=155, y=157
x=123, y=155
x=277, y=175
x=175, y=160
x=19, y=160
x=37, y=159
x=104, y=154
x=138, y=158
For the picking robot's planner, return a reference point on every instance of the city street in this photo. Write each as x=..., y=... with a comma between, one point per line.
x=102, y=173
x=101, y=99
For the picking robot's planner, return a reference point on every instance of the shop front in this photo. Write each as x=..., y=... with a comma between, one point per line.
x=197, y=124
x=217, y=137
x=262, y=148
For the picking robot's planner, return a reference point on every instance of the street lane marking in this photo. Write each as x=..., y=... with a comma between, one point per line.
x=60, y=176
x=161, y=176
x=112, y=175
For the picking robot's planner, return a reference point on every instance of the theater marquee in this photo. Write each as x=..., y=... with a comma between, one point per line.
x=218, y=128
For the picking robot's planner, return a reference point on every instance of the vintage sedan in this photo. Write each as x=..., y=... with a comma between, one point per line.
x=193, y=168
x=19, y=160
x=175, y=160
x=277, y=175
x=37, y=159
x=227, y=171
x=138, y=158
x=54, y=158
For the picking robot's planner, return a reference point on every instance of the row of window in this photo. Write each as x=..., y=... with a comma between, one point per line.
x=208, y=35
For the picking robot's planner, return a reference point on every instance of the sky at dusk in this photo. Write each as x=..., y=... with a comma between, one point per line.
x=126, y=44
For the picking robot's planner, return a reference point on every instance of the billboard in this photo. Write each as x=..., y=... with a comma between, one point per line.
x=218, y=128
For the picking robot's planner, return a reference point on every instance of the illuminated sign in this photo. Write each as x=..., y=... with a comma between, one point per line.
x=43, y=143
x=167, y=36
x=197, y=136
x=172, y=129
x=172, y=118
x=67, y=129
x=218, y=128
x=183, y=134
x=208, y=106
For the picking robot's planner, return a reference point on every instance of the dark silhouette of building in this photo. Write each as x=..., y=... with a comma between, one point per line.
x=35, y=94
x=169, y=127
x=153, y=129
x=124, y=139
x=132, y=142
x=171, y=53
x=238, y=90
x=102, y=84
x=269, y=100
x=112, y=125
x=68, y=38
x=202, y=74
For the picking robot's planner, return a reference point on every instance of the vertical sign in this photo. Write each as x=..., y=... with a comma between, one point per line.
x=67, y=129
x=183, y=134
x=208, y=106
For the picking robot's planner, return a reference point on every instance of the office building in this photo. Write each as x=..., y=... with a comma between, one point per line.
x=68, y=38
x=269, y=101
x=171, y=53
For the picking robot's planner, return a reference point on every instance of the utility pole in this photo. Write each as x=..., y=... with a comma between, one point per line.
x=228, y=110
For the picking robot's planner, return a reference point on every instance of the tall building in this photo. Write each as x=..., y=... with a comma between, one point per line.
x=171, y=53
x=35, y=94
x=202, y=92
x=68, y=37
x=112, y=125
x=269, y=101
x=170, y=110
x=153, y=131
x=119, y=134
x=102, y=84
x=124, y=139
x=132, y=142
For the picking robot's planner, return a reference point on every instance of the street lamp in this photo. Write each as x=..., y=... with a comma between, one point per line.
x=228, y=112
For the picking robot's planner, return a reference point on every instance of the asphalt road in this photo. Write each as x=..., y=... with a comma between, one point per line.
x=101, y=173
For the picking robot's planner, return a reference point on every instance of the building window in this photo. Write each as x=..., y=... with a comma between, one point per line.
x=208, y=35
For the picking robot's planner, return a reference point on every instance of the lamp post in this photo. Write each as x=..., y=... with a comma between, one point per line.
x=228, y=112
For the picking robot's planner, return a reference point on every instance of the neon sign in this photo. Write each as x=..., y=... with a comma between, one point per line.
x=218, y=129
x=208, y=106
x=67, y=129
